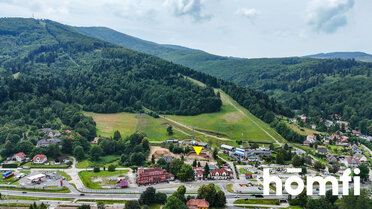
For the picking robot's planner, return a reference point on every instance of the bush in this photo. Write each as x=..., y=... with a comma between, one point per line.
x=111, y=167
x=96, y=169
x=13, y=165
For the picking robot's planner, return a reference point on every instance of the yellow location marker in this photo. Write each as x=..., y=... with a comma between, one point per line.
x=198, y=149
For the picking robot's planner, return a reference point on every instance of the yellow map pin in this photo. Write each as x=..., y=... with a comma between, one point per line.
x=198, y=149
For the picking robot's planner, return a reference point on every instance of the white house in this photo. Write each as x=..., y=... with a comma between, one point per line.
x=40, y=159
x=311, y=138
x=218, y=174
x=19, y=157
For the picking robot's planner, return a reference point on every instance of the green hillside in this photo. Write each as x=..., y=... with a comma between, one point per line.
x=316, y=87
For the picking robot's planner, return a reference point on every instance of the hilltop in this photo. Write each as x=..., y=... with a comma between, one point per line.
x=360, y=56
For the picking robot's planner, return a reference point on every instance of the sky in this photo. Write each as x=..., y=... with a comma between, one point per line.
x=240, y=28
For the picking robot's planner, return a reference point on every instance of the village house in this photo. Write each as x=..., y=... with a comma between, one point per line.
x=306, y=143
x=352, y=162
x=331, y=158
x=19, y=157
x=298, y=151
x=61, y=159
x=47, y=142
x=95, y=140
x=328, y=123
x=311, y=138
x=321, y=150
x=360, y=157
x=219, y=174
x=356, y=133
x=198, y=172
x=39, y=159
x=303, y=118
x=197, y=204
x=153, y=176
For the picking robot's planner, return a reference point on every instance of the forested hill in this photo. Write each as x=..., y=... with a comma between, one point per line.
x=55, y=60
x=316, y=87
x=360, y=56
x=46, y=66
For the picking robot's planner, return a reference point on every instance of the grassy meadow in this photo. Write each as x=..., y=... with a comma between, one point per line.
x=128, y=123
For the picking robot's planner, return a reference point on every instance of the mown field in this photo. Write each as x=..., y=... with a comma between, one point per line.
x=229, y=123
x=128, y=123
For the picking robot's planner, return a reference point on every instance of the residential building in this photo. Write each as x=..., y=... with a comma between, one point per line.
x=47, y=142
x=321, y=150
x=306, y=142
x=331, y=158
x=95, y=140
x=19, y=157
x=311, y=138
x=40, y=159
x=356, y=133
x=198, y=172
x=153, y=176
x=197, y=204
x=352, y=162
x=218, y=174
x=360, y=157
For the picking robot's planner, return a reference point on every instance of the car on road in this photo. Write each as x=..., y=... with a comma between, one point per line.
x=237, y=196
x=82, y=194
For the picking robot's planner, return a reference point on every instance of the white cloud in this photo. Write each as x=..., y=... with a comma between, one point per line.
x=191, y=8
x=328, y=15
x=248, y=13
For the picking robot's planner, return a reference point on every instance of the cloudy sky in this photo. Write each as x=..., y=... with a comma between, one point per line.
x=243, y=28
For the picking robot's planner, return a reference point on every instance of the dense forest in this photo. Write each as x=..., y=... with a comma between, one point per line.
x=315, y=87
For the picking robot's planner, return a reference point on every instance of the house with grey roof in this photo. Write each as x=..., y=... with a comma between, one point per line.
x=47, y=142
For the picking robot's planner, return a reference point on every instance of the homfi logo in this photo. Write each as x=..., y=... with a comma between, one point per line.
x=345, y=179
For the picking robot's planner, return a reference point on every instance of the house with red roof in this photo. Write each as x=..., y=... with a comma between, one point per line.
x=198, y=171
x=356, y=133
x=218, y=174
x=352, y=162
x=311, y=138
x=153, y=176
x=306, y=142
x=197, y=204
x=19, y=157
x=39, y=159
x=95, y=140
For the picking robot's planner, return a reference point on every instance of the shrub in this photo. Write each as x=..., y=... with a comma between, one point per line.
x=96, y=169
x=111, y=167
